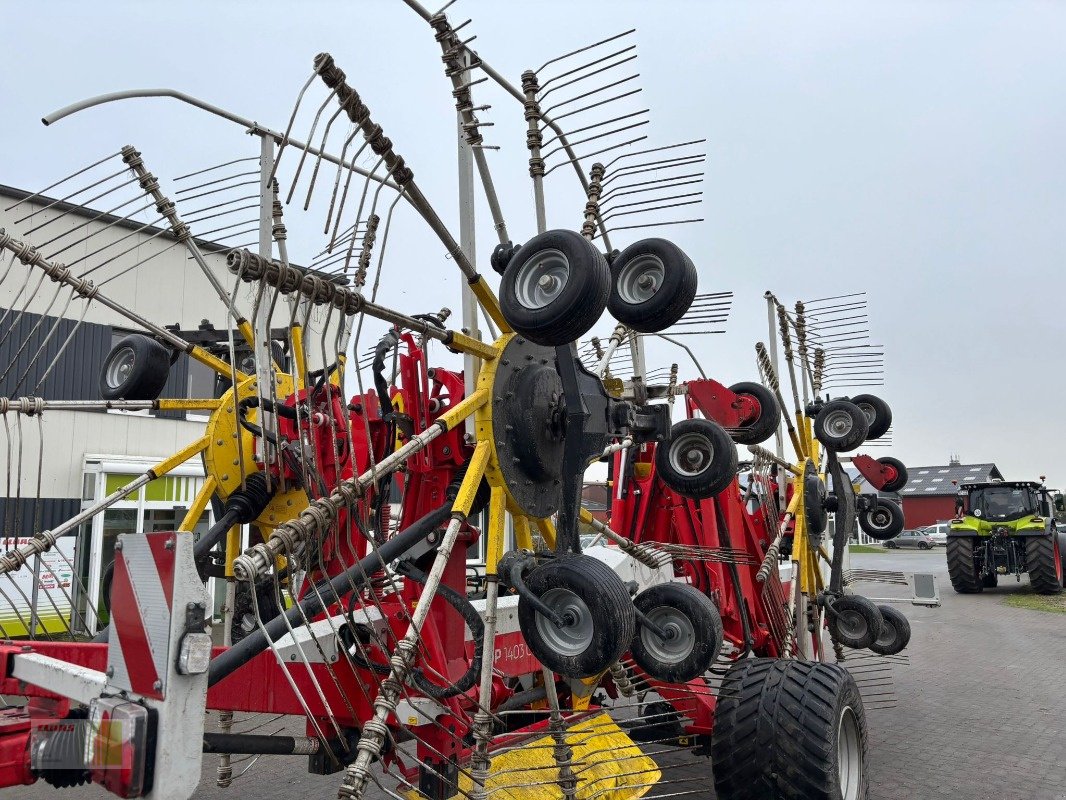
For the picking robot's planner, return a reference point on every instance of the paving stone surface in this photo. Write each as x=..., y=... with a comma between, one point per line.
x=980, y=710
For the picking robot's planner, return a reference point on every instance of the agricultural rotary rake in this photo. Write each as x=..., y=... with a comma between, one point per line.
x=358, y=616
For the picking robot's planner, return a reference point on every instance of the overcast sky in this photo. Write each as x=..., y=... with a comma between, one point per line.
x=913, y=150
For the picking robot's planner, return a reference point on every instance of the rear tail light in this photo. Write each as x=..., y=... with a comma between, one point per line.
x=120, y=746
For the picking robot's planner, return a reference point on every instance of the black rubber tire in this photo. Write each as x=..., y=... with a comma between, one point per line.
x=962, y=565
x=147, y=375
x=990, y=581
x=895, y=632
x=924, y=546
x=775, y=732
x=1044, y=563
x=609, y=612
x=884, y=521
x=106, y=580
x=579, y=302
x=714, y=475
x=877, y=413
x=901, y=474
x=766, y=423
x=677, y=607
x=855, y=621
x=670, y=299
x=845, y=441
x=891, y=545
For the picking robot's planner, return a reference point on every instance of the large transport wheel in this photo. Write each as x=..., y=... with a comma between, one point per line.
x=962, y=565
x=882, y=522
x=854, y=621
x=1044, y=562
x=897, y=471
x=789, y=730
x=698, y=461
x=841, y=426
x=693, y=627
x=765, y=413
x=877, y=412
x=653, y=284
x=137, y=368
x=594, y=603
x=895, y=632
x=555, y=288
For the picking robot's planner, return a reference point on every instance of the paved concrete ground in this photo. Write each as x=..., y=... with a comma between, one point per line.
x=980, y=711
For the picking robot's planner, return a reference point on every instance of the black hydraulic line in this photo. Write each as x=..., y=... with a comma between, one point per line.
x=477, y=629
x=355, y=577
x=248, y=744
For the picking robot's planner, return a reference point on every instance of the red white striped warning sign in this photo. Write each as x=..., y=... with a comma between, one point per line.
x=142, y=599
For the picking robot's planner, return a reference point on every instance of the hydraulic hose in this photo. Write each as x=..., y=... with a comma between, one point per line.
x=354, y=578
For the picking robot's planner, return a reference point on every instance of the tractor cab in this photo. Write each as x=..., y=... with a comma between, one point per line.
x=1002, y=501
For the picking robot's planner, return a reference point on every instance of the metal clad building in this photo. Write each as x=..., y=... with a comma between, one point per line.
x=85, y=455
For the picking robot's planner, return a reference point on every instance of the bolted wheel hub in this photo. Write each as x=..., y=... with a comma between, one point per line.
x=575, y=634
x=691, y=454
x=839, y=423
x=528, y=414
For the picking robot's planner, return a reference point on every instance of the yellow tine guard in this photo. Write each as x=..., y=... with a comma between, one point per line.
x=189, y=405
x=457, y=413
x=199, y=503
x=215, y=363
x=483, y=292
x=494, y=543
x=233, y=548
x=298, y=355
x=547, y=530
x=475, y=471
x=476, y=347
x=180, y=457
x=523, y=539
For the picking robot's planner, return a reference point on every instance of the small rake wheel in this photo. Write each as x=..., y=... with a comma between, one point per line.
x=699, y=460
x=841, y=426
x=895, y=632
x=653, y=283
x=692, y=627
x=593, y=605
x=854, y=621
x=555, y=288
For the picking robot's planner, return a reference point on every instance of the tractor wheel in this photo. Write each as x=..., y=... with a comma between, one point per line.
x=766, y=414
x=990, y=580
x=899, y=480
x=653, y=284
x=854, y=621
x=597, y=609
x=137, y=368
x=555, y=288
x=698, y=461
x=693, y=627
x=841, y=426
x=1044, y=562
x=789, y=730
x=962, y=565
x=877, y=412
x=895, y=632
x=883, y=521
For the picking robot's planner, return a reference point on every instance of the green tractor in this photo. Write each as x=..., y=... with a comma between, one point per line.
x=1006, y=528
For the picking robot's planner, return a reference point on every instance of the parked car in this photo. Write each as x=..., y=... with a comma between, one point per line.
x=915, y=539
x=938, y=533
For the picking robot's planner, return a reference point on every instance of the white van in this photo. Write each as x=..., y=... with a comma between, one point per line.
x=938, y=533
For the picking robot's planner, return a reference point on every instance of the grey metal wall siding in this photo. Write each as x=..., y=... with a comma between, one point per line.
x=19, y=516
x=75, y=376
